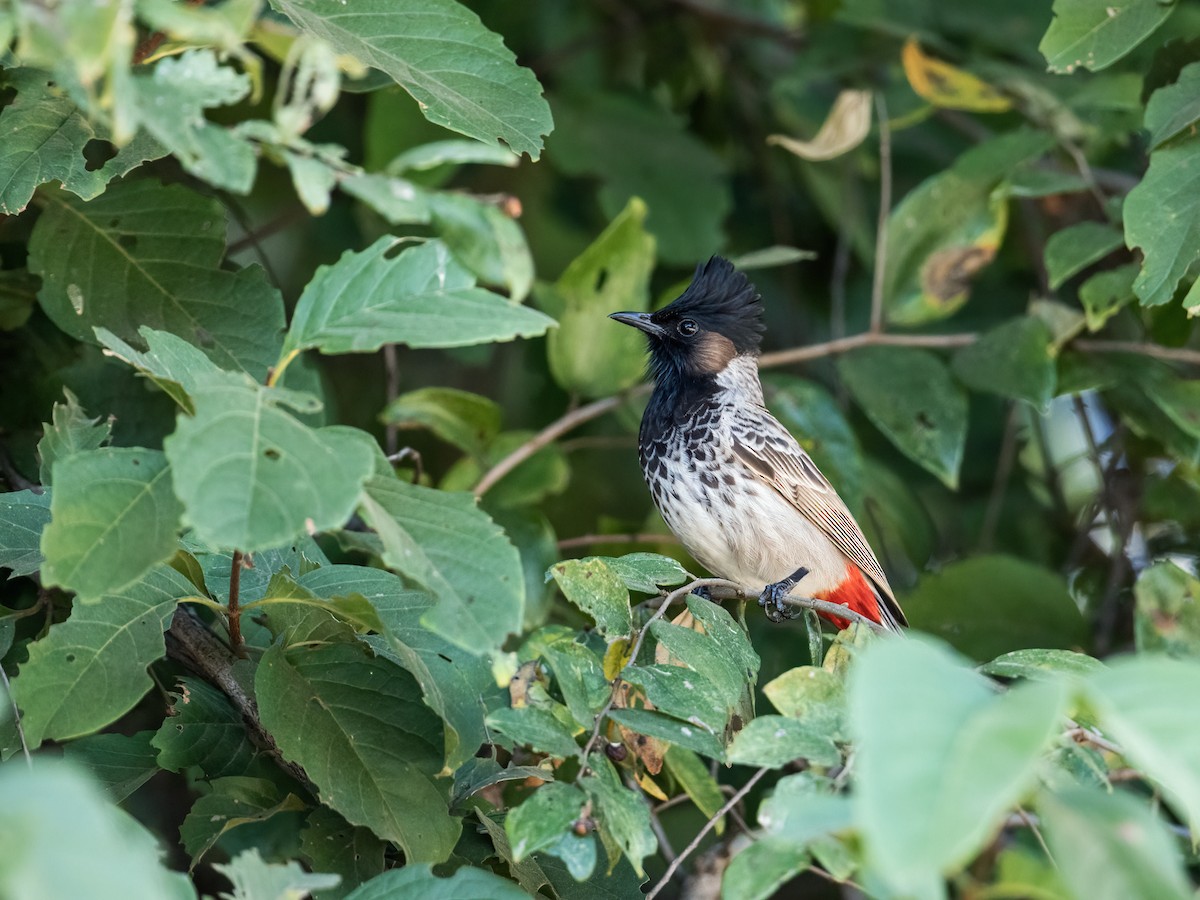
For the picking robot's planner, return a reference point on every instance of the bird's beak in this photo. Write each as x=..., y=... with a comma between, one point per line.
x=640, y=321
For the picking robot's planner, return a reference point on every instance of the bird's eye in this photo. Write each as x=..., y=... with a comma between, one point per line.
x=687, y=327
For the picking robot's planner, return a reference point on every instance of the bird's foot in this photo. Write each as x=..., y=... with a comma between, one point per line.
x=703, y=593
x=773, y=598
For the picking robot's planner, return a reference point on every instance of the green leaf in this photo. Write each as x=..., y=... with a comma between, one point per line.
x=73, y=842
x=675, y=731
x=544, y=473
x=252, y=476
x=620, y=810
x=776, y=741
x=466, y=883
x=43, y=136
x=813, y=695
x=420, y=296
x=359, y=730
x=1042, y=665
x=1110, y=846
x=481, y=596
x=1138, y=700
x=542, y=818
x=453, y=152
x=588, y=354
x=936, y=779
x=687, y=694
x=173, y=97
x=580, y=676
x=479, y=772
x=1013, y=360
x=646, y=572
x=1105, y=293
x=599, y=591
x=534, y=727
x=112, y=517
x=255, y=879
x=1093, y=35
x=1071, y=250
x=91, y=669
x=204, y=731
x=460, y=73
x=468, y=421
x=990, y=605
x=177, y=367
x=1167, y=611
x=485, y=240
x=18, y=293
x=1174, y=108
x=683, y=182
x=331, y=844
x=909, y=395
x=120, y=762
x=694, y=777
x=230, y=803
x=69, y=432
x=1161, y=220
x=112, y=263
x=23, y=516
x=762, y=868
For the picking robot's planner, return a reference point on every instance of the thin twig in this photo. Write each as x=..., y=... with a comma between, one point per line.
x=391, y=366
x=1004, y=467
x=234, y=619
x=1081, y=735
x=885, y=208
x=587, y=540
x=708, y=826
x=1142, y=348
x=865, y=339
x=16, y=717
x=398, y=456
x=1032, y=825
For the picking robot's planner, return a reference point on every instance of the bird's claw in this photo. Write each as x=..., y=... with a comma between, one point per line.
x=773, y=598
x=703, y=593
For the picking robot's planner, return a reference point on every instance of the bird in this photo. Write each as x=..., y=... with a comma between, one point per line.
x=731, y=482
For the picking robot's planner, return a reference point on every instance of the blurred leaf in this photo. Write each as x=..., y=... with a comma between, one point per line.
x=113, y=516
x=69, y=432
x=599, y=591
x=1175, y=108
x=762, y=868
x=398, y=201
x=23, y=516
x=481, y=596
x=252, y=476
x=813, y=417
x=580, y=677
x=436, y=154
x=1138, y=701
x=588, y=354
x=991, y=605
x=657, y=725
x=776, y=741
x=948, y=86
x=771, y=257
x=545, y=473
x=1029, y=874
x=178, y=368
x=91, y=669
x=542, y=818
x=681, y=180
x=935, y=780
x=1160, y=218
x=74, y=842
x=204, y=731
x=1105, y=293
x=419, y=881
x=1031, y=180
x=331, y=844
x=1110, y=846
x=460, y=73
x=1090, y=35
x=231, y=802
x=18, y=294
x=846, y=126
x=1041, y=665
x=813, y=695
x=120, y=762
x=1071, y=250
x=621, y=811
x=909, y=395
x=536, y=728
x=646, y=572
x=173, y=97
x=358, y=728
x=695, y=779
x=255, y=879
x=1013, y=360
x=1167, y=611
x=111, y=263
x=485, y=240
x=420, y=296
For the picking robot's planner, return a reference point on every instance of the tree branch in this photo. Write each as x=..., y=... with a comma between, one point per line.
x=587, y=540
x=885, y=209
x=234, y=619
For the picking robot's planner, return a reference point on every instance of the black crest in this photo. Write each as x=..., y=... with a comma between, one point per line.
x=720, y=299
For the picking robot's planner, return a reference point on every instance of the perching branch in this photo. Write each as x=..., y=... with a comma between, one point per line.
x=234, y=619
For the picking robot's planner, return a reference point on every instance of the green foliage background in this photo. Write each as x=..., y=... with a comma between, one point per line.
x=311, y=419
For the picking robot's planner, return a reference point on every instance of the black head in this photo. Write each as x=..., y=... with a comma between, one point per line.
x=718, y=318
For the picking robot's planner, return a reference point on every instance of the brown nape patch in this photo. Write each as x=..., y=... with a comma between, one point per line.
x=713, y=353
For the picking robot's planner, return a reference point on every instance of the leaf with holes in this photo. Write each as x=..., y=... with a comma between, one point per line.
x=70, y=431
x=23, y=516
x=1161, y=220
x=1090, y=35
x=205, y=731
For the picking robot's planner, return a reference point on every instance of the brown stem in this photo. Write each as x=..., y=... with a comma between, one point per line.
x=236, y=643
x=587, y=540
x=885, y=204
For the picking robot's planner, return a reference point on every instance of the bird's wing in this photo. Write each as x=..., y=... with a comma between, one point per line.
x=771, y=453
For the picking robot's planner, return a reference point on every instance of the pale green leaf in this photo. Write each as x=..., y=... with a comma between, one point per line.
x=358, y=728
x=646, y=572
x=460, y=73
x=252, y=476
x=468, y=421
x=620, y=810
x=145, y=254
x=1162, y=220
x=113, y=515
x=580, y=676
x=599, y=591
x=1014, y=360
x=762, y=868
x=91, y=669
x=176, y=366
x=481, y=595
x=485, y=240
x=467, y=883
x=1041, y=665
x=909, y=395
x=1106, y=293
x=1073, y=249
x=23, y=516
x=1167, y=611
x=1094, y=34
x=451, y=152
x=419, y=295
x=542, y=818
x=813, y=695
x=255, y=879
x=544, y=473
x=70, y=431
x=776, y=741
x=697, y=782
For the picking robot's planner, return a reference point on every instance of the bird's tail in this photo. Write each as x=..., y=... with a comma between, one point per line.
x=859, y=595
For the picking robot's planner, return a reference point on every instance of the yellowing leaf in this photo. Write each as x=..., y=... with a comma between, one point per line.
x=845, y=128
x=949, y=86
